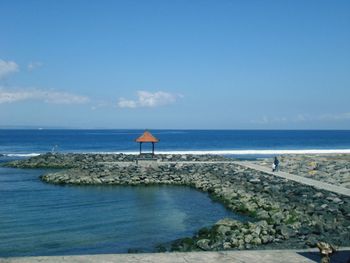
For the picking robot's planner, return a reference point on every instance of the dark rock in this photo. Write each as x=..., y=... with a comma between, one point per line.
x=312, y=241
x=203, y=244
x=285, y=231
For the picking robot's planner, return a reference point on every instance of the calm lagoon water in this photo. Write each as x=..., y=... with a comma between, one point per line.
x=43, y=219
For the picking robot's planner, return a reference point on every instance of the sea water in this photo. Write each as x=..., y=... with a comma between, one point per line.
x=43, y=219
x=253, y=142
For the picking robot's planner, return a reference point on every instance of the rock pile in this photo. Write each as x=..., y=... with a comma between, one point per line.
x=71, y=160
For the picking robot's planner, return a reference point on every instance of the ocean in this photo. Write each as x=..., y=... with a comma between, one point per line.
x=230, y=142
x=41, y=219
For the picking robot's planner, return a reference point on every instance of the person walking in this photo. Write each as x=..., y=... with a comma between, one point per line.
x=275, y=164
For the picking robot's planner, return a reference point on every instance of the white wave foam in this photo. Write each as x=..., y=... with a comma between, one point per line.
x=262, y=152
x=22, y=154
x=215, y=152
x=249, y=152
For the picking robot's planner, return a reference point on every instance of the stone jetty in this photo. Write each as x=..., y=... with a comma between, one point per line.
x=284, y=214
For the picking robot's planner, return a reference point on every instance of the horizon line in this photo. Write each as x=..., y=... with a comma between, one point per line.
x=182, y=129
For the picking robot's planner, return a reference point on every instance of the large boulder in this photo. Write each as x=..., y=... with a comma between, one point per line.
x=203, y=244
x=229, y=222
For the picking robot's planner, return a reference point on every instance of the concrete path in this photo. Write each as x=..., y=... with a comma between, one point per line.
x=167, y=162
x=255, y=256
x=297, y=178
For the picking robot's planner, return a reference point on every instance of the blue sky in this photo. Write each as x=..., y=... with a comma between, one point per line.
x=175, y=64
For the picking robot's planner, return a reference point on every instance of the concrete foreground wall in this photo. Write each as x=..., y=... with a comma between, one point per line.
x=256, y=256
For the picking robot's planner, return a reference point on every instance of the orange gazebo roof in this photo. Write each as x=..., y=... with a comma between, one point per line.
x=147, y=137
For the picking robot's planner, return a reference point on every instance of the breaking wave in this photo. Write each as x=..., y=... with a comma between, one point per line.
x=216, y=152
x=21, y=154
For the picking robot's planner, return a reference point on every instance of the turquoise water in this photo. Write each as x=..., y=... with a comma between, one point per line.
x=43, y=219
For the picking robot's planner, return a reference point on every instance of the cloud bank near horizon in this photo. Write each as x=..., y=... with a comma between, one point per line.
x=47, y=96
x=329, y=117
x=146, y=99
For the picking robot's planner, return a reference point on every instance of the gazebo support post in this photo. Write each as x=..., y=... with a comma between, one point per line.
x=140, y=148
x=153, y=148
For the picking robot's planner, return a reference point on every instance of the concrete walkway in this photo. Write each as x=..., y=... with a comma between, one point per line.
x=255, y=256
x=297, y=178
x=166, y=162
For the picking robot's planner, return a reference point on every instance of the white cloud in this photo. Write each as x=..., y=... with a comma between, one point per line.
x=102, y=104
x=47, y=96
x=124, y=103
x=304, y=118
x=34, y=65
x=335, y=117
x=149, y=99
x=13, y=96
x=7, y=68
x=266, y=120
x=62, y=97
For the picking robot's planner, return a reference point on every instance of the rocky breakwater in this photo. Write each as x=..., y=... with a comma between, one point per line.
x=76, y=160
x=284, y=214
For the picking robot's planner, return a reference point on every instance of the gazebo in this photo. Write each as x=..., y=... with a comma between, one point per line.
x=147, y=137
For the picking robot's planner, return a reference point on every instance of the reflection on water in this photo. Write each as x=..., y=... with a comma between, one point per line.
x=43, y=219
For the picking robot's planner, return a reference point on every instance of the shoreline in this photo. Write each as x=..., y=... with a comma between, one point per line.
x=254, y=152
x=286, y=214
